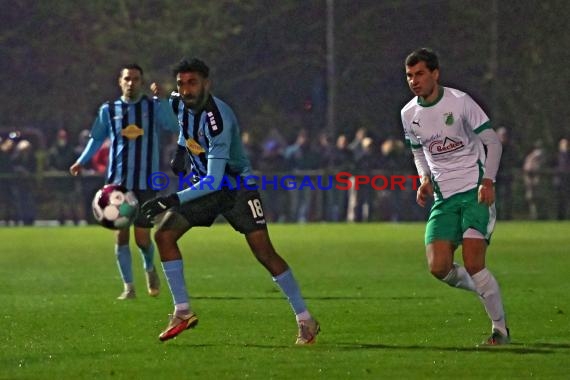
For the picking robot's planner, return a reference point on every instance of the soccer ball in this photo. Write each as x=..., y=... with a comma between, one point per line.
x=115, y=207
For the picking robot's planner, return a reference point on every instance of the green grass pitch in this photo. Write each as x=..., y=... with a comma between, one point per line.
x=382, y=314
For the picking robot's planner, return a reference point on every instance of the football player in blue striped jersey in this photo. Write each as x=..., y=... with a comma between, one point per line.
x=220, y=184
x=133, y=124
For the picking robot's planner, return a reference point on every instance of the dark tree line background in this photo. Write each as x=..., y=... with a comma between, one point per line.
x=59, y=60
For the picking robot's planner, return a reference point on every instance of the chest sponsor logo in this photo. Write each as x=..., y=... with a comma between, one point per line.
x=448, y=118
x=132, y=132
x=446, y=146
x=194, y=147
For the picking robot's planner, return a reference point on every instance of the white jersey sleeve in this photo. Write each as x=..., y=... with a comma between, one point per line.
x=410, y=139
x=494, y=150
x=474, y=116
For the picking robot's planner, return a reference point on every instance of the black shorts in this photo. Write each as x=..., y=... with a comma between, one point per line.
x=241, y=207
x=143, y=196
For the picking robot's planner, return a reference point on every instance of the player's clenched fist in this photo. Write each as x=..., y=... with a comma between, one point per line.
x=425, y=191
x=486, y=192
x=155, y=88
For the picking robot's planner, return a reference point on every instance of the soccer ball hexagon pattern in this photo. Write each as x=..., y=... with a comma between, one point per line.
x=115, y=207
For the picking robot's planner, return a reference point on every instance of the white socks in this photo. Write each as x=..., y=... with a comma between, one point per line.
x=181, y=308
x=490, y=295
x=459, y=278
x=485, y=285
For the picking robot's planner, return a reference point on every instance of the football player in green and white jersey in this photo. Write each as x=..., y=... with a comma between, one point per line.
x=457, y=155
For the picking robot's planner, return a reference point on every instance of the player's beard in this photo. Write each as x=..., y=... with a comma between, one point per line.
x=195, y=103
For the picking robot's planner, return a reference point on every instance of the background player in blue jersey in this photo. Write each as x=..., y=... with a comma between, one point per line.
x=457, y=155
x=133, y=124
x=209, y=132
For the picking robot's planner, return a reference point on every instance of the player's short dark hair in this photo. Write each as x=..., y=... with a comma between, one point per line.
x=193, y=66
x=131, y=66
x=423, y=55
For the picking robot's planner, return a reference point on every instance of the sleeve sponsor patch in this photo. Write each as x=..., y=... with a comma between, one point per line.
x=213, y=117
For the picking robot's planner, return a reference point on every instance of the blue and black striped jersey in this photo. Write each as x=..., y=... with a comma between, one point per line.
x=212, y=133
x=134, y=132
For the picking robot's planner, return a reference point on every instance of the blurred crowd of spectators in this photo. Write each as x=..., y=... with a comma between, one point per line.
x=29, y=167
x=322, y=155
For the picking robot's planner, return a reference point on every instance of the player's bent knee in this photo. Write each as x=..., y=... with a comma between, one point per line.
x=440, y=269
x=439, y=273
x=160, y=237
x=166, y=237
